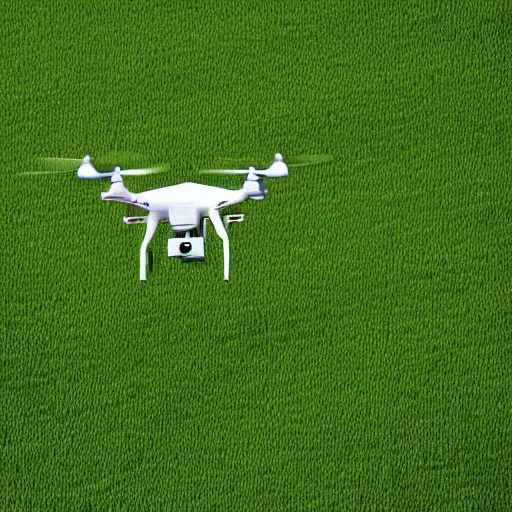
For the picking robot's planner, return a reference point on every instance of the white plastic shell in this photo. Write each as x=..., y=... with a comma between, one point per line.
x=183, y=218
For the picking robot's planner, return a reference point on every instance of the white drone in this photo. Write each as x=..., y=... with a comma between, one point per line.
x=186, y=206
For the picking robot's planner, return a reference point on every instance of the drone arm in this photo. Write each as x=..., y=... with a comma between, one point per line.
x=152, y=224
x=221, y=231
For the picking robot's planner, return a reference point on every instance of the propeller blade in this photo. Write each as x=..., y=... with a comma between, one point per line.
x=226, y=171
x=102, y=166
x=60, y=159
x=293, y=161
x=278, y=169
x=125, y=159
x=306, y=160
x=87, y=170
x=141, y=172
x=51, y=165
x=35, y=173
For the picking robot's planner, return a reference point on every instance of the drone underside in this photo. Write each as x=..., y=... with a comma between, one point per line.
x=189, y=246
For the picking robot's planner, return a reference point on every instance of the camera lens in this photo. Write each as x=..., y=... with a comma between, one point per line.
x=185, y=247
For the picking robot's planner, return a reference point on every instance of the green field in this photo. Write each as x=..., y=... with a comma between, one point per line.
x=359, y=358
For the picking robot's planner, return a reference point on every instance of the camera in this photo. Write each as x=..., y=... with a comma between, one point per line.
x=188, y=249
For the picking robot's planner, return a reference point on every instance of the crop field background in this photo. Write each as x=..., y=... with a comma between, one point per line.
x=359, y=358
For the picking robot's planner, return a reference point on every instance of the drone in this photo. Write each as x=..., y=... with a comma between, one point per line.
x=186, y=207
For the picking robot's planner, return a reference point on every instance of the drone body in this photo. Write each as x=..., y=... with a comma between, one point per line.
x=186, y=206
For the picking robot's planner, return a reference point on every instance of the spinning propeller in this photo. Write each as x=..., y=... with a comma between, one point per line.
x=276, y=170
x=85, y=169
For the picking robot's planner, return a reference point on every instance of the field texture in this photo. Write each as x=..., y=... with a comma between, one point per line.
x=360, y=357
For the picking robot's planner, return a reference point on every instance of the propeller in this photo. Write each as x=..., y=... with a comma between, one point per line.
x=85, y=169
x=271, y=172
x=88, y=171
x=278, y=169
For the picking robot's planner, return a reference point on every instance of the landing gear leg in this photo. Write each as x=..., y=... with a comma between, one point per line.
x=152, y=224
x=221, y=231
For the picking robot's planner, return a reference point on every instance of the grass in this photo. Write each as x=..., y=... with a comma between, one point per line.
x=359, y=357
